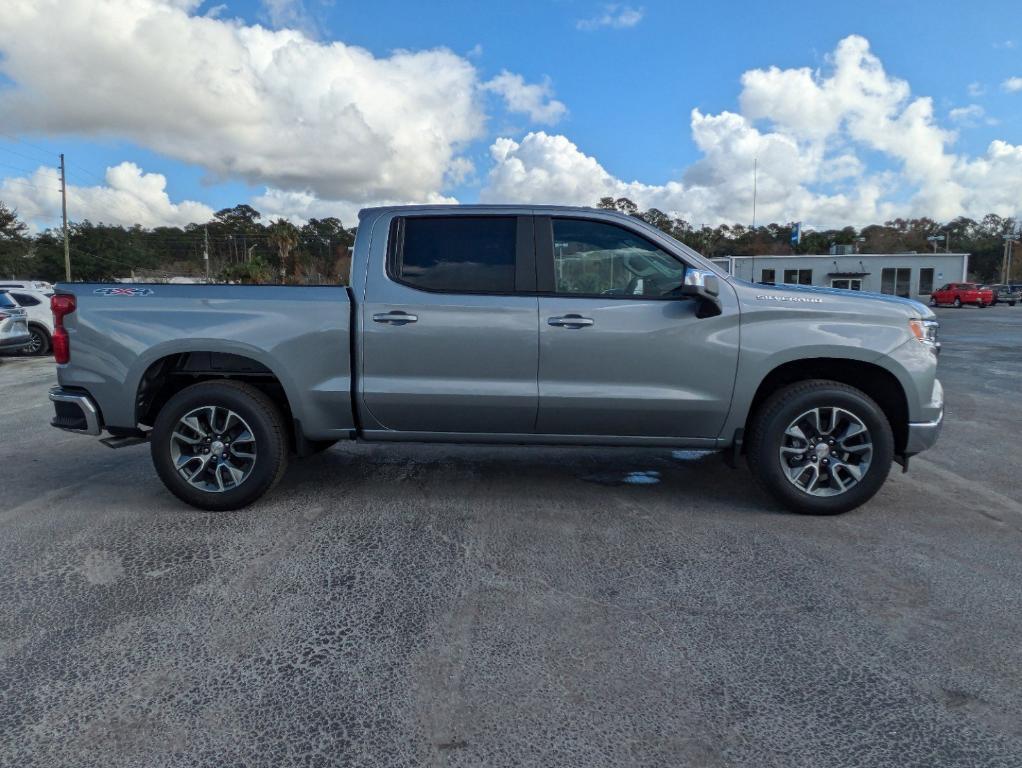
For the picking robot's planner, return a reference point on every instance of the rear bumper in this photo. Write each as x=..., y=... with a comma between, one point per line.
x=75, y=412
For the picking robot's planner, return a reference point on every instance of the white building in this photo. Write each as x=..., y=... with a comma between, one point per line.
x=913, y=275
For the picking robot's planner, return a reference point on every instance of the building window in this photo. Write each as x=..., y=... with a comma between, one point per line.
x=896, y=281
x=846, y=283
x=767, y=277
x=798, y=276
x=926, y=281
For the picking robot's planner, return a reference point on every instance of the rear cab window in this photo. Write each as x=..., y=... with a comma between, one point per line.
x=455, y=254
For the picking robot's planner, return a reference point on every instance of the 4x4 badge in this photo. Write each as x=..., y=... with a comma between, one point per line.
x=123, y=291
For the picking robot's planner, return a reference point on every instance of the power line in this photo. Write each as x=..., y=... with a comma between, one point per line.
x=22, y=155
x=23, y=170
x=36, y=147
x=26, y=184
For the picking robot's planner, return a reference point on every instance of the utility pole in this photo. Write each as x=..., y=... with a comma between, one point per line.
x=205, y=250
x=1009, y=253
x=755, y=180
x=63, y=207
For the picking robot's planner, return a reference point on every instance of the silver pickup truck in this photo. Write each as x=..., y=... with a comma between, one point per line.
x=498, y=324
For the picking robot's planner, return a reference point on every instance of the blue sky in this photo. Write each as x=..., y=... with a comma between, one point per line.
x=606, y=98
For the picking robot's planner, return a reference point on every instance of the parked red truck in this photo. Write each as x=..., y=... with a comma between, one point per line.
x=958, y=294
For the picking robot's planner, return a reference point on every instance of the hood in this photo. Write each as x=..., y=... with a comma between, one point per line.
x=833, y=298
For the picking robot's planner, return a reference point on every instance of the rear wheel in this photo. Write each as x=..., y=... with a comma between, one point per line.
x=820, y=447
x=219, y=445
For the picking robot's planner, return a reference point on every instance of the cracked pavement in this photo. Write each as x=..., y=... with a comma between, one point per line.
x=444, y=605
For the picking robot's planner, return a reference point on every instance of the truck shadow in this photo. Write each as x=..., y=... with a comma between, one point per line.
x=532, y=476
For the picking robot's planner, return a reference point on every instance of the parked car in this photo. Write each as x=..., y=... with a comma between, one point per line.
x=40, y=319
x=31, y=285
x=14, y=334
x=498, y=324
x=957, y=294
x=1007, y=294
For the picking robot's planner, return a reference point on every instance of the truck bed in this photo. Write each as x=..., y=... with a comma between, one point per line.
x=120, y=333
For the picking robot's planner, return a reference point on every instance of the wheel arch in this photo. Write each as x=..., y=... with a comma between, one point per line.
x=168, y=374
x=880, y=384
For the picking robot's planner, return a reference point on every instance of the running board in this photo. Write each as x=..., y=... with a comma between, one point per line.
x=124, y=441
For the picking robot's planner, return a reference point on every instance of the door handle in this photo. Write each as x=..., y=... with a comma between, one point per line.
x=395, y=317
x=570, y=321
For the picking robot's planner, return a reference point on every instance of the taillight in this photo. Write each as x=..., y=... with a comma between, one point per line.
x=62, y=305
x=4, y=315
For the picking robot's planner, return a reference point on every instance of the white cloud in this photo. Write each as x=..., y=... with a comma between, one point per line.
x=129, y=196
x=613, y=16
x=806, y=130
x=1012, y=84
x=269, y=107
x=976, y=89
x=967, y=115
x=299, y=206
x=289, y=14
x=535, y=99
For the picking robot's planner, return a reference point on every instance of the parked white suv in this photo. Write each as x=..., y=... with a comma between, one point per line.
x=40, y=318
x=13, y=330
x=32, y=285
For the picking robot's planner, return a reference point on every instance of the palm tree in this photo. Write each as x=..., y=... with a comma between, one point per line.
x=283, y=235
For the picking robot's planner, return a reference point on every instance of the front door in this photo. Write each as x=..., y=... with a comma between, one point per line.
x=449, y=341
x=621, y=352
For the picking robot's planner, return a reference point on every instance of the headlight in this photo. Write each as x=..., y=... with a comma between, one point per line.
x=925, y=331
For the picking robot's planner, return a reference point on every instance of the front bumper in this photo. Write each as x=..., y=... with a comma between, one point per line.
x=924, y=434
x=75, y=412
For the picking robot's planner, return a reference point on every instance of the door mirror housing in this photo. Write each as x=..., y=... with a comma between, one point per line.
x=704, y=286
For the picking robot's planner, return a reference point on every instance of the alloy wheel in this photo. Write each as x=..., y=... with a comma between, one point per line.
x=826, y=451
x=213, y=448
x=35, y=346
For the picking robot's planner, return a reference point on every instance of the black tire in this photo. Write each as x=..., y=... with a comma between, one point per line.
x=264, y=419
x=958, y=302
x=40, y=342
x=933, y=302
x=1011, y=303
x=784, y=406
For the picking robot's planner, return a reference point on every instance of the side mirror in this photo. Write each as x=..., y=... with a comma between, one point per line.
x=704, y=286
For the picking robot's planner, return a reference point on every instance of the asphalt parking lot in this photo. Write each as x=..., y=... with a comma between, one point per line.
x=419, y=605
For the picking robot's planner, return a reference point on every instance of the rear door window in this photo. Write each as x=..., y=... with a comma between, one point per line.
x=25, y=300
x=455, y=254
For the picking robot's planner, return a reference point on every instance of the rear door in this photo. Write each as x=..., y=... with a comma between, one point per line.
x=449, y=321
x=621, y=352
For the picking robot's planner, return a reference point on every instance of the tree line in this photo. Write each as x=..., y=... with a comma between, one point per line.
x=243, y=248
x=240, y=248
x=984, y=239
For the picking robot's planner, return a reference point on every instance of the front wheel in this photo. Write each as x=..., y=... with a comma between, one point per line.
x=40, y=343
x=219, y=445
x=820, y=447
x=958, y=302
x=933, y=302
